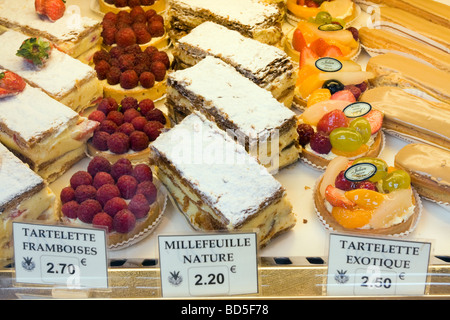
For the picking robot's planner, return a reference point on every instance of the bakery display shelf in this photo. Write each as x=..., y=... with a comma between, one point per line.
x=279, y=278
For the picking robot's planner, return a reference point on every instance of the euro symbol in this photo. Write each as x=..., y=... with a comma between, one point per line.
x=402, y=276
x=233, y=269
x=83, y=261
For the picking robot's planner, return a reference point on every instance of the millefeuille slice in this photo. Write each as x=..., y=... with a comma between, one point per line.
x=246, y=111
x=216, y=184
x=42, y=132
x=62, y=77
x=268, y=66
x=24, y=197
x=73, y=33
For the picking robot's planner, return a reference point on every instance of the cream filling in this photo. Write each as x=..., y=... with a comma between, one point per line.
x=76, y=49
x=82, y=96
x=52, y=171
x=273, y=219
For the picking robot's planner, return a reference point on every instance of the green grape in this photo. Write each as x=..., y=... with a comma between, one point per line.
x=323, y=17
x=381, y=165
x=346, y=139
x=398, y=179
x=362, y=125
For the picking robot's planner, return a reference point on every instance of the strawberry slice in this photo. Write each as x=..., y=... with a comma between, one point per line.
x=54, y=9
x=337, y=198
x=10, y=84
x=319, y=46
x=375, y=118
x=298, y=41
x=307, y=56
x=333, y=52
x=39, y=6
x=345, y=95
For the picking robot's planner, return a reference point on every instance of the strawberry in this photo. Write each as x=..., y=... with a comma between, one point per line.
x=298, y=41
x=333, y=52
x=39, y=6
x=319, y=46
x=35, y=50
x=307, y=56
x=11, y=81
x=345, y=95
x=301, y=2
x=311, y=4
x=337, y=198
x=332, y=120
x=375, y=118
x=54, y=9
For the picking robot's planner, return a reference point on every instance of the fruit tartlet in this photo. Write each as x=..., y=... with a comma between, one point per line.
x=124, y=199
x=324, y=38
x=125, y=129
x=145, y=28
x=340, y=126
x=342, y=11
x=129, y=71
x=366, y=196
x=320, y=78
x=115, y=6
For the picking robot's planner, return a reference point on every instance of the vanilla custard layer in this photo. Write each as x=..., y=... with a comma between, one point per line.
x=83, y=95
x=39, y=206
x=76, y=49
x=273, y=219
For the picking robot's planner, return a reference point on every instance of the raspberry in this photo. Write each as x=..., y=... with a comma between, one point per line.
x=114, y=205
x=126, y=128
x=133, y=49
x=85, y=192
x=125, y=37
x=130, y=114
x=342, y=183
x=109, y=35
x=139, y=206
x=118, y=143
x=128, y=103
x=88, y=209
x=67, y=194
x=159, y=70
x=147, y=79
x=127, y=186
x=140, y=68
x=153, y=129
x=150, y=13
x=156, y=17
x=103, y=220
x=99, y=140
x=134, y=3
x=142, y=172
x=148, y=189
x=113, y=75
x=146, y=105
x=142, y=35
x=102, y=68
x=108, y=126
x=129, y=79
x=121, y=167
x=106, y=192
x=305, y=132
x=110, y=16
x=79, y=178
x=320, y=143
x=101, y=55
x=116, y=117
x=121, y=3
x=156, y=115
x=102, y=178
x=136, y=11
x=116, y=52
x=70, y=209
x=98, y=164
x=126, y=61
x=124, y=221
x=162, y=57
x=354, y=90
x=355, y=32
x=139, y=122
x=138, y=141
x=97, y=115
x=149, y=51
x=106, y=105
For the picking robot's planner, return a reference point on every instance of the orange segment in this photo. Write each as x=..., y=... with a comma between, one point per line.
x=351, y=218
x=301, y=11
x=310, y=84
x=318, y=95
x=365, y=199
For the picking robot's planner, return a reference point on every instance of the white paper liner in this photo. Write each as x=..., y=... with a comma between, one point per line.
x=323, y=168
x=161, y=201
x=409, y=138
x=445, y=205
x=419, y=208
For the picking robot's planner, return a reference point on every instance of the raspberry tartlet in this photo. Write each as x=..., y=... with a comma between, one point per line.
x=126, y=129
x=366, y=196
x=132, y=72
x=124, y=199
x=339, y=126
x=138, y=26
x=115, y=6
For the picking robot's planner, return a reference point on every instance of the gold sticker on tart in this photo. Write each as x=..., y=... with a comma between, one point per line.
x=357, y=109
x=328, y=64
x=360, y=172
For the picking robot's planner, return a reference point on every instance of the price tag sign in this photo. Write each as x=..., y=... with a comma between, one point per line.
x=60, y=255
x=208, y=264
x=375, y=266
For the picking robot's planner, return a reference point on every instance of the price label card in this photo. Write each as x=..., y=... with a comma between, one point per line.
x=208, y=264
x=60, y=255
x=375, y=266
